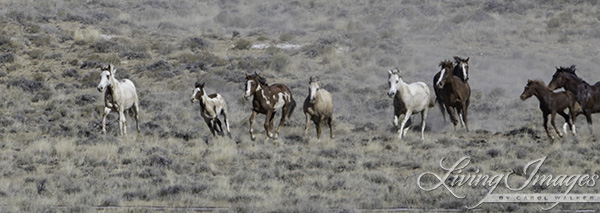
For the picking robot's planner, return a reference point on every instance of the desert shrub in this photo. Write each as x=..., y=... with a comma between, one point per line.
x=104, y=46
x=253, y=64
x=43, y=95
x=27, y=85
x=85, y=99
x=196, y=44
x=90, y=64
x=134, y=55
x=90, y=79
x=71, y=73
x=7, y=58
x=279, y=62
x=86, y=36
x=35, y=54
x=242, y=44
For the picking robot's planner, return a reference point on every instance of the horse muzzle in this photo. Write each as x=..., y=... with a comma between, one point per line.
x=523, y=97
x=391, y=94
x=100, y=89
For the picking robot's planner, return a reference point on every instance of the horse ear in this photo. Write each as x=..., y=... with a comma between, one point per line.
x=457, y=59
x=202, y=85
x=111, y=68
x=467, y=60
x=390, y=72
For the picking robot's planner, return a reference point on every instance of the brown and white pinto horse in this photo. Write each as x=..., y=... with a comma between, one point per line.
x=268, y=99
x=212, y=106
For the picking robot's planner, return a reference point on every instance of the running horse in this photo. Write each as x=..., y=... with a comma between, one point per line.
x=408, y=99
x=461, y=70
x=454, y=93
x=118, y=96
x=211, y=106
x=267, y=100
x=552, y=103
x=588, y=96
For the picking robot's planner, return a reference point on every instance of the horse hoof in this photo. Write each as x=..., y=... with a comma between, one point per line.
x=253, y=138
x=333, y=137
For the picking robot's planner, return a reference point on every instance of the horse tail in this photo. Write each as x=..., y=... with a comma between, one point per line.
x=292, y=107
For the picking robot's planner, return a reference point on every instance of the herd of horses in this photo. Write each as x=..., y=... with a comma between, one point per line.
x=451, y=93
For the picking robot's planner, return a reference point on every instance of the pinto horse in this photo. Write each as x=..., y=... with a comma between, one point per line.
x=588, y=96
x=552, y=103
x=461, y=70
x=118, y=96
x=454, y=93
x=211, y=106
x=267, y=99
x=408, y=99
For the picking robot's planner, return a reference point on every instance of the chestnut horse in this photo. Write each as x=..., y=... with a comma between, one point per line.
x=268, y=99
x=552, y=103
x=461, y=70
x=588, y=96
x=211, y=106
x=454, y=93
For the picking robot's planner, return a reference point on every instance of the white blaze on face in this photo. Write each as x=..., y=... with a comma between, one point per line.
x=439, y=82
x=393, y=83
x=194, y=94
x=313, y=90
x=248, y=87
x=464, y=69
x=104, y=81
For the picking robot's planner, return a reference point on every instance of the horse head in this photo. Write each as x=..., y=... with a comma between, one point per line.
x=463, y=67
x=529, y=89
x=561, y=77
x=446, y=73
x=198, y=91
x=313, y=87
x=107, y=74
x=252, y=83
x=394, y=78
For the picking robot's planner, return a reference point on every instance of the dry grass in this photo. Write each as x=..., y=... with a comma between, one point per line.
x=55, y=158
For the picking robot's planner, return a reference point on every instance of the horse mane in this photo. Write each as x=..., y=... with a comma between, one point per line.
x=538, y=81
x=199, y=84
x=446, y=64
x=261, y=79
x=571, y=71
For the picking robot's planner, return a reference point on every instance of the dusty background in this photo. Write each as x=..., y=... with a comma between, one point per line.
x=53, y=156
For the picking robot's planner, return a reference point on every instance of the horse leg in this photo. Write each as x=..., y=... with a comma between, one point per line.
x=546, y=126
x=284, y=112
x=307, y=123
x=251, y=122
x=553, y=116
x=318, y=123
x=567, y=121
x=209, y=123
x=464, y=116
x=588, y=118
x=226, y=122
x=217, y=123
x=406, y=117
x=106, y=111
x=122, y=130
x=423, y=116
x=330, y=127
x=136, y=109
x=452, y=116
x=268, y=119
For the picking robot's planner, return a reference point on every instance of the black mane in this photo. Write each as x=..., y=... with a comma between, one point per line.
x=260, y=79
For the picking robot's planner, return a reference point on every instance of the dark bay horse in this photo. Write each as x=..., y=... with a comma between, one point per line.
x=461, y=70
x=267, y=99
x=552, y=103
x=454, y=93
x=588, y=96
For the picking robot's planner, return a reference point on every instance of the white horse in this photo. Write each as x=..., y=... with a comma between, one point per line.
x=318, y=107
x=212, y=106
x=118, y=96
x=408, y=99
